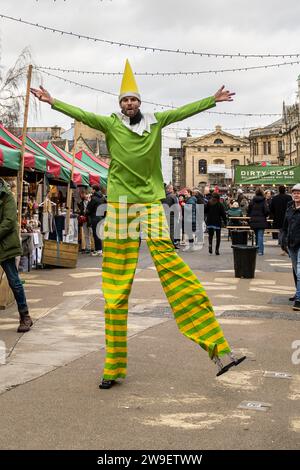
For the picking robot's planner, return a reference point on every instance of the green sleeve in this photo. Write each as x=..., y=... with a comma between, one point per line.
x=8, y=222
x=95, y=121
x=168, y=117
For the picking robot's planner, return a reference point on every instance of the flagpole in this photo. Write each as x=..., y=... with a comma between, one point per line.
x=21, y=169
x=70, y=191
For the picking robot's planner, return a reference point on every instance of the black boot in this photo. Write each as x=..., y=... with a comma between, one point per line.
x=106, y=384
x=25, y=323
x=210, y=249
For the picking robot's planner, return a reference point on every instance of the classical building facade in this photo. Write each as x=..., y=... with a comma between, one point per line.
x=291, y=132
x=267, y=144
x=278, y=143
x=209, y=159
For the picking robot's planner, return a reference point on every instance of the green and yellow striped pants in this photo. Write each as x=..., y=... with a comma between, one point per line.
x=192, y=309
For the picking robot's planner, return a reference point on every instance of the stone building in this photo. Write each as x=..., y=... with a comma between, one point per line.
x=278, y=143
x=209, y=159
x=266, y=144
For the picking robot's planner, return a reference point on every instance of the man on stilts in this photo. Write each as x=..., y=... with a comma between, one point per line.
x=135, y=191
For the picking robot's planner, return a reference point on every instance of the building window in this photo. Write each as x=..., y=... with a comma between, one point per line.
x=265, y=148
x=202, y=167
x=269, y=148
x=205, y=149
x=235, y=162
x=218, y=141
x=219, y=161
x=199, y=149
x=238, y=149
x=280, y=146
x=231, y=149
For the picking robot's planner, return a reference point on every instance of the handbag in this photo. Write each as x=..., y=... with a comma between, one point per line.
x=82, y=219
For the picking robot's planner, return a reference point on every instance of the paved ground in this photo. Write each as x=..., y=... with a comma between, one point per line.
x=49, y=396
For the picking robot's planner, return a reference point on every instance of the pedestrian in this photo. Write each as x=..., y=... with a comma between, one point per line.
x=190, y=219
x=135, y=191
x=200, y=224
x=181, y=202
x=278, y=207
x=258, y=212
x=10, y=248
x=83, y=222
x=234, y=211
x=215, y=214
x=291, y=238
x=243, y=201
x=172, y=211
x=95, y=214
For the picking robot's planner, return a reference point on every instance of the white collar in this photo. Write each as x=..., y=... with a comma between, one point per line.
x=143, y=125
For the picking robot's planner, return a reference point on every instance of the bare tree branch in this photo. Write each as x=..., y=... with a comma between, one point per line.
x=12, y=85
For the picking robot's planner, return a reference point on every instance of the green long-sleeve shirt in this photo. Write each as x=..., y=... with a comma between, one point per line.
x=135, y=169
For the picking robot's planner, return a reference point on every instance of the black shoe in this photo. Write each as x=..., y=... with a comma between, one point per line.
x=296, y=305
x=292, y=299
x=217, y=252
x=210, y=249
x=235, y=362
x=105, y=384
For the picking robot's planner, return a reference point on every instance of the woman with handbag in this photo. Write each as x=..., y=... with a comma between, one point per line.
x=83, y=221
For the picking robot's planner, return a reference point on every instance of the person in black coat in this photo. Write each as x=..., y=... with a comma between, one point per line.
x=95, y=214
x=258, y=212
x=291, y=238
x=215, y=213
x=172, y=211
x=278, y=207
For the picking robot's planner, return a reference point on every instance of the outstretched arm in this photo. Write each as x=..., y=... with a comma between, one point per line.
x=168, y=117
x=92, y=120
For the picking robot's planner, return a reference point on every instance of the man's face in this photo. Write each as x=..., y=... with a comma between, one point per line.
x=130, y=106
x=296, y=196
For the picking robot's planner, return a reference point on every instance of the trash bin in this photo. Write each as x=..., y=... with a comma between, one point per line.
x=239, y=237
x=244, y=258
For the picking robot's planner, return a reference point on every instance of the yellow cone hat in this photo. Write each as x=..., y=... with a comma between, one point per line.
x=128, y=85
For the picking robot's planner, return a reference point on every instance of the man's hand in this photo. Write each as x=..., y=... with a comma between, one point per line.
x=223, y=95
x=42, y=95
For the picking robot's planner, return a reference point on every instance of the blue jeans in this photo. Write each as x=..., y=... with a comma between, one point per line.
x=295, y=258
x=259, y=239
x=10, y=269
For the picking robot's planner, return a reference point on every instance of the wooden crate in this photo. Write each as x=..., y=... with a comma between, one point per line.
x=60, y=254
x=6, y=295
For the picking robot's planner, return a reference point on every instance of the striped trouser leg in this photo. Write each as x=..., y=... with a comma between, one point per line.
x=191, y=307
x=119, y=263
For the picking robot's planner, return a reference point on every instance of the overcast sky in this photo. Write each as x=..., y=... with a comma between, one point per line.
x=235, y=26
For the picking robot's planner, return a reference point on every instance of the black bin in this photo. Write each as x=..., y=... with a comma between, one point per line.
x=244, y=258
x=239, y=237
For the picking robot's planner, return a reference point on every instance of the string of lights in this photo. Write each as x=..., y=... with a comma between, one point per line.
x=151, y=102
x=184, y=129
x=147, y=48
x=168, y=74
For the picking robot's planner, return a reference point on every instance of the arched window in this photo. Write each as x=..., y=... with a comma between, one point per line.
x=219, y=161
x=218, y=141
x=235, y=162
x=202, y=167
